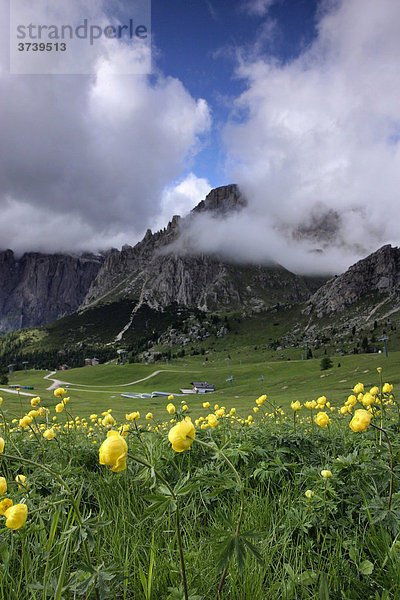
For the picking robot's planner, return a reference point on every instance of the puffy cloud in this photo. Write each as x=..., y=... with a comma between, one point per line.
x=90, y=155
x=258, y=7
x=316, y=150
x=180, y=197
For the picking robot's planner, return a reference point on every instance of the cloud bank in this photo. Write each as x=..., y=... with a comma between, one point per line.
x=314, y=146
x=85, y=159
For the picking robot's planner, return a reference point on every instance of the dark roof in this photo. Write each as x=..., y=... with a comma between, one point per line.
x=202, y=384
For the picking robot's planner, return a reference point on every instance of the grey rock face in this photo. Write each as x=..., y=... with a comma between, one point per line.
x=40, y=288
x=379, y=272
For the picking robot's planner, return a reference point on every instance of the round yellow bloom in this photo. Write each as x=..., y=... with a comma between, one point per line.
x=296, y=405
x=1, y=445
x=21, y=479
x=232, y=412
x=344, y=410
x=171, y=408
x=113, y=452
x=374, y=390
x=309, y=494
x=35, y=401
x=310, y=404
x=212, y=421
x=321, y=400
x=16, y=516
x=133, y=416
x=182, y=435
x=59, y=407
x=206, y=405
x=1, y=401
x=170, y=397
x=149, y=416
x=59, y=392
x=185, y=407
x=3, y=485
x=255, y=409
x=368, y=399
x=326, y=474
x=322, y=419
x=49, y=434
x=351, y=400
x=358, y=388
x=25, y=421
x=65, y=400
x=387, y=388
x=108, y=420
x=33, y=413
x=379, y=369
x=361, y=420
x=5, y=505
x=260, y=401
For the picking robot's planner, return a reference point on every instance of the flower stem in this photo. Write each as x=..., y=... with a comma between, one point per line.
x=391, y=463
x=144, y=463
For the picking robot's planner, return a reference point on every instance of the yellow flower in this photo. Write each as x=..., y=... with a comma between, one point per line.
x=108, y=420
x=326, y=474
x=374, y=390
x=171, y=408
x=113, y=452
x=368, y=399
x=3, y=485
x=185, y=407
x=59, y=392
x=232, y=412
x=206, y=405
x=358, y=388
x=170, y=397
x=255, y=409
x=310, y=404
x=1, y=401
x=379, y=369
x=35, y=401
x=309, y=494
x=5, y=505
x=1, y=445
x=182, y=435
x=133, y=416
x=296, y=405
x=49, y=434
x=16, y=516
x=59, y=407
x=322, y=419
x=65, y=400
x=212, y=421
x=33, y=413
x=260, y=401
x=361, y=420
x=25, y=421
x=21, y=479
x=321, y=400
x=149, y=416
x=351, y=401
x=387, y=388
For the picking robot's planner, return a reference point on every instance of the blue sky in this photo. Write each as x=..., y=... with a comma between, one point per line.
x=296, y=101
x=198, y=42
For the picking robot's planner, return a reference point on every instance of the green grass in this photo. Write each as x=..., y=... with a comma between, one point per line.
x=96, y=389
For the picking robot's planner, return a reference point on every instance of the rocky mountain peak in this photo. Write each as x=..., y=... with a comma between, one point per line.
x=222, y=200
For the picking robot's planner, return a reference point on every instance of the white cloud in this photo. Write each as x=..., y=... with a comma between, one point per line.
x=92, y=153
x=180, y=197
x=320, y=134
x=258, y=7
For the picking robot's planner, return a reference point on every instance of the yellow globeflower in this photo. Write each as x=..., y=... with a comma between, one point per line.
x=3, y=485
x=108, y=420
x=21, y=479
x=361, y=420
x=49, y=434
x=326, y=474
x=321, y=400
x=206, y=405
x=1, y=445
x=33, y=413
x=16, y=516
x=113, y=452
x=59, y=392
x=35, y=401
x=260, y=401
x=25, y=421
x=379, y=369
x=59, y=407
x=358, y=388
x=212, y=421
x=322, y=419
x=368, y=399
x=1, y=401
x=149, y=416
x=185, y=407
x=309, y=494
x=133, y=416
x=171, y=408
x=374, y=390
x=182, y=435
x=387, y=388
x=296, y=405
x=170, y=397
x=5, y=505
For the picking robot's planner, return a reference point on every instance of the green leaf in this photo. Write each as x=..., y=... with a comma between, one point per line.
x=323, y=587
x=366, y=567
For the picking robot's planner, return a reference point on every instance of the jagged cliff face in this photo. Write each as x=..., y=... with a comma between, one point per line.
x=379, y=274
x=40, y=288
x=153, y=274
